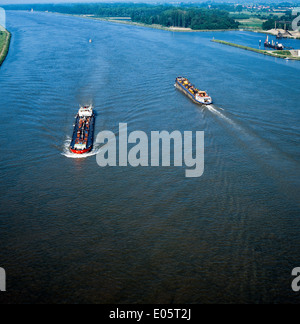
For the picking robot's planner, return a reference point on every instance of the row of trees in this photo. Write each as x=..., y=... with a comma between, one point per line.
x=165, y=15
x=97, y=9
x=188, y=18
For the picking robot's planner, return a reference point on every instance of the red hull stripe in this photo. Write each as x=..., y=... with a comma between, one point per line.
x=80, y=152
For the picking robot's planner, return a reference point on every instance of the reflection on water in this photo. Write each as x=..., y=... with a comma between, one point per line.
x=74, y=232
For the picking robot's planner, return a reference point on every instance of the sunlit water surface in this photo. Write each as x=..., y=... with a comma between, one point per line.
x=74, y=232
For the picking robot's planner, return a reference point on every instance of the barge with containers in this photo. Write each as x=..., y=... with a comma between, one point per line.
x=83, y=134
x=198, y=96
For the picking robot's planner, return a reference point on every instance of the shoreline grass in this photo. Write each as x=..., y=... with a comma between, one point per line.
x=278, y=54
x=5, y=37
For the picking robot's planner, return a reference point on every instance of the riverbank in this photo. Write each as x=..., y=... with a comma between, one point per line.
x=153, y=26
x=285, y=34
x=5, y=37
x=279, y=54
x=126, y=21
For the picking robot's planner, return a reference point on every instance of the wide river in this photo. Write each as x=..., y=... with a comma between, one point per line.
x=71, y=231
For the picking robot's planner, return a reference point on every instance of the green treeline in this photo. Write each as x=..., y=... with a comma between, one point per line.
x=165, y=15
x=96, y=9
x=199, y=18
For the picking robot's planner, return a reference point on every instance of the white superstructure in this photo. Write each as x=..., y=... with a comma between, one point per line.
x=86, y=111
x=203, y=98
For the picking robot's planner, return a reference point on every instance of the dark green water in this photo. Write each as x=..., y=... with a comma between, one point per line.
x=71, y=231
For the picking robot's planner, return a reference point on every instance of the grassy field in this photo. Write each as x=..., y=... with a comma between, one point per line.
x=2, y=39
x=279, y=54
x=4, y=45
x=253, y=20
x=251, y=23
x=286, y=53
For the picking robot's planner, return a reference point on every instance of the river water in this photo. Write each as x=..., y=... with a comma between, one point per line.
x=74, y=232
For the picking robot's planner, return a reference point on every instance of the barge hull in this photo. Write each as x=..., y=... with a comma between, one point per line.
x=187, y=93
x=181, y=87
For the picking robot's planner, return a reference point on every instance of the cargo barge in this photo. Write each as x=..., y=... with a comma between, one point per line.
x=83, y=134
x=197, y=96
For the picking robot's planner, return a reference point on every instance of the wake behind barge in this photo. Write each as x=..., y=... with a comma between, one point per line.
x=197, y=96
x=83, y=134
